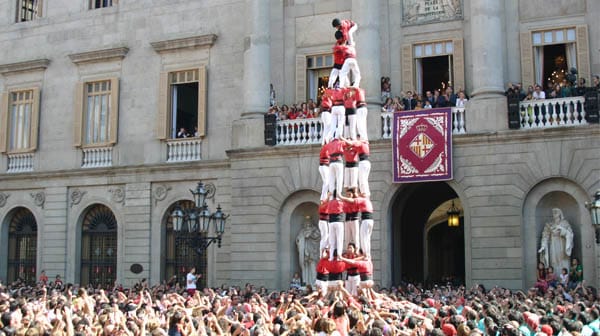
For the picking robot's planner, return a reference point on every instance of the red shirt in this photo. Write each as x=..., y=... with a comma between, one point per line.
x=335, y=206
x=364, y=266
x=326, y=100
x=339, y=54
x=350, y=207
x=345, y=27
x=323, y=214
x=324, y=156
x=363, y=149
x=360, y=97
x=364, y=204
x=350, y=154
x=350, y=97
x=350, y=52
x=338, y=97
x=335, y=147
x=322, y=266
x=336, y=266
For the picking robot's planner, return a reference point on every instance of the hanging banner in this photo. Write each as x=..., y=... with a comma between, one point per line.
x=422, y=145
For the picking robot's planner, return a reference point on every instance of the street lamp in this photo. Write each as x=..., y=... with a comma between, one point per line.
x=197, y=220
x=594, y=208
x=453, y=216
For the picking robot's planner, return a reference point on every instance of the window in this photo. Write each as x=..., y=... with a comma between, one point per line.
x=28, y=10
x=19, y=116
x=22, y=247
x=97, y=110
x=182, y=104
x=99, y=247
x=94, y=4
x=318, y=70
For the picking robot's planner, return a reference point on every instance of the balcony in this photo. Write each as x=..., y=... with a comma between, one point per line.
x=184, y=150
x=299, y=132
x=20, y=162
x=96, y=157
x=550, y=113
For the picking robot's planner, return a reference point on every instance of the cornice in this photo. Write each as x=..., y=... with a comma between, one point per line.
x=33, y=65
x=192, y=42
x=103, y=55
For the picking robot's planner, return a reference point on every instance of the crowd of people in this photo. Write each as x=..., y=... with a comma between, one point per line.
x=55, y=308
x=553, y=90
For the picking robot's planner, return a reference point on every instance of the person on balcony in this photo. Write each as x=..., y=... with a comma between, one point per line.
x=538, y=93
x=461, y=101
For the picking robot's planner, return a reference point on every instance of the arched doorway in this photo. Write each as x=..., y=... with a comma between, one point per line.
x=22, y=247
x=424, y=248
x=178, y=253
x=99, y=247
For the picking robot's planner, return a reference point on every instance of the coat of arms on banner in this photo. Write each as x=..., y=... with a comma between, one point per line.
x=422, y=145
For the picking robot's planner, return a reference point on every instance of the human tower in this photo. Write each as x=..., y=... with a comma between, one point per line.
x=345, y=211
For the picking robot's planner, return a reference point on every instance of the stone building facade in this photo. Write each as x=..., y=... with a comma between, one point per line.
x=94, y=92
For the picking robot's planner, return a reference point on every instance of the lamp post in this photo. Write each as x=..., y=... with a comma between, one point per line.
x=197, y=221
x=453, y=216
x=594, y=208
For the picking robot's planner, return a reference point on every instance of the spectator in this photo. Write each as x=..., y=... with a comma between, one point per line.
x=409, y=102
x=596, y=82
x=538, y=93
x=386, y=88
x=461, y=101
x=388, y=105
x=182, y=133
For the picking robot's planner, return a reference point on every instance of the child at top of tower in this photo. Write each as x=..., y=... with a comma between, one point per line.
x=347, y=27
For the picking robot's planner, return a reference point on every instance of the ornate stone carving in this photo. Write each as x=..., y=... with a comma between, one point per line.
x=160, y=193
x=3, y=198
x=39, y=198
x=424, y=11
x=76, y=196
x=211, y=189
x=118, y=194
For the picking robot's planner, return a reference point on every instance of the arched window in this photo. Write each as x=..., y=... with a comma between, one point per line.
x=22, y=247
x=99, y=247
x=179, y=253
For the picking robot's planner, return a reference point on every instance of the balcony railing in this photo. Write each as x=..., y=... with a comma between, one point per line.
x=20, y=163
x=299, y=132
x=95, y=157
x=549, y=113
x=458, y=122
x=184, y=150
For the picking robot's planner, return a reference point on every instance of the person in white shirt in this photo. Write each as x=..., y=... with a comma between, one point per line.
x=461, y=101
x=538, y=93
x=190, y=284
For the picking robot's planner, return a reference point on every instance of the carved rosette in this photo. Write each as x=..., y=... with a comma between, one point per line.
x=118, y=194
x=3, y=198
x=39, y=198
x=160, y=193
x=211, y=189
x=76, y=196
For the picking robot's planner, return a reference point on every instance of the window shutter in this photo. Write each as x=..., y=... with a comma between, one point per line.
x=407, y=68
x=458, y=59
x=202, y=92
x=300, y=78
x=78, y=115
x=163, y=101
x=583, y=54
x=3, y=121
x=526, y=59
x=113, y=118
x=35, y=120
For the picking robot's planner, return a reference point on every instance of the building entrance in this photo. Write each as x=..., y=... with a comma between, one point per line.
x=424, y=248
x=436, y=72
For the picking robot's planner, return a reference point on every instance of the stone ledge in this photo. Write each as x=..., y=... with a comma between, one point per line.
x=184, y=43
x=34, y=65
x=104, y=55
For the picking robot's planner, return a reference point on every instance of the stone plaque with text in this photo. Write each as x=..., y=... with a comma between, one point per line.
x=425, y=11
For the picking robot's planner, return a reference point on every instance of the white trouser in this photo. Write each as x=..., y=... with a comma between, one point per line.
x=333, y=76
x=324, y=229
x=361, y=122
x=350, y=64
x=351, y=177
x=336, y=177
x=326, y=119
x=351, y=34
x=352, y=284
x=336, y=238
x=351, y=233
x=338, y=113
x=350, y=130
x=322, y=285
x=364, y=168
x=324, y=171
x=366, y=229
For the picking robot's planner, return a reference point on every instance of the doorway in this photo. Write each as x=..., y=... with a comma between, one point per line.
x=424, y=249
x=436, y=72
x=555, y=64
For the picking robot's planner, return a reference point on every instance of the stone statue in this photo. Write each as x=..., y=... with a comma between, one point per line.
x=308, y=241
x=557, y=242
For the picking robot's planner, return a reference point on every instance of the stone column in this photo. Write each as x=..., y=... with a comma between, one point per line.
x=247, y=131
x=368, y=54
x=488, y=109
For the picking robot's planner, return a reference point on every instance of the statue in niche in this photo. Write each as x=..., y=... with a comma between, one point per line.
x=307, y=241
x=557, y=242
